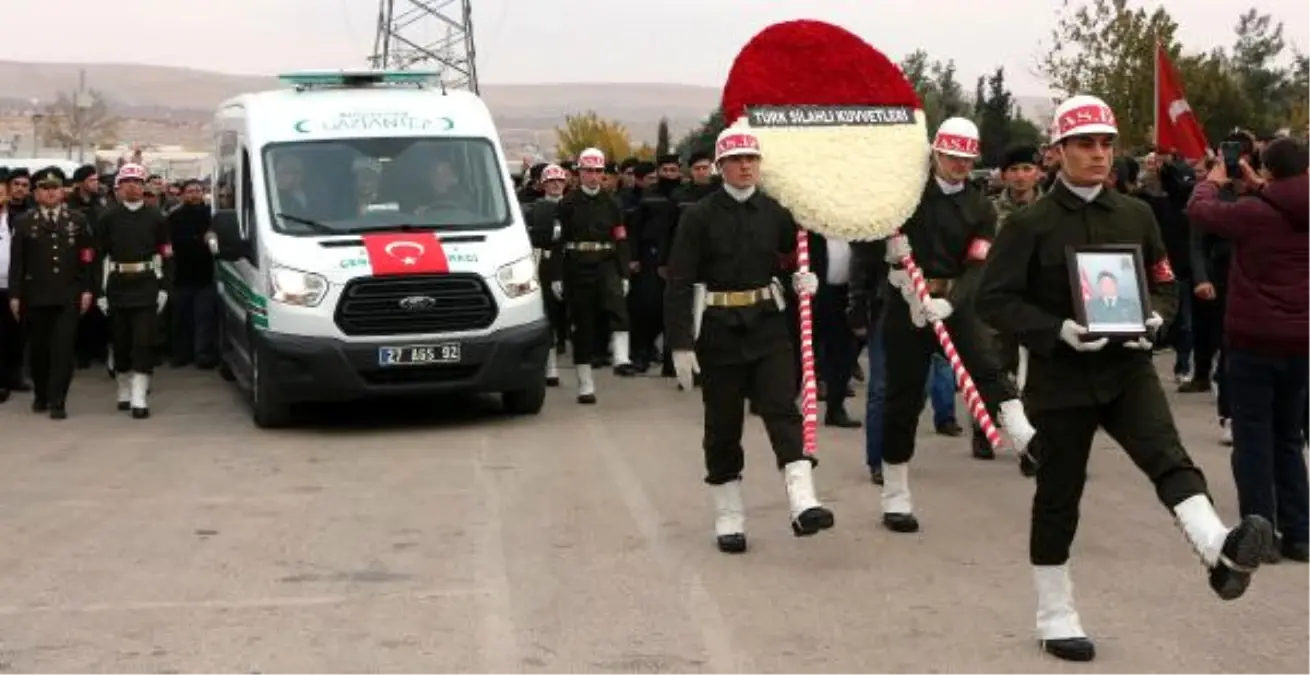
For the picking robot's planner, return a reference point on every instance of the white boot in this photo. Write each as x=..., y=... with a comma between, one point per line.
x=1015, y=422
x=552, y=368
x=622, y=354
x=124, y=391
x=586, y=384
x=1058, y=626
x=729, y=517
x=897, y=506
x=140, y=390
x=1232, y=555
x=807, y=514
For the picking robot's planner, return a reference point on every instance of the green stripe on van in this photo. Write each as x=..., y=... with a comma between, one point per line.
x=254, y=302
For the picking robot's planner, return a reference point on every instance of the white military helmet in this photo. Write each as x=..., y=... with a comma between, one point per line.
x=735, y=141
x=130, y=171
x=957, y=137
x=1082, y=116
x=554, y=172
x=591, y=158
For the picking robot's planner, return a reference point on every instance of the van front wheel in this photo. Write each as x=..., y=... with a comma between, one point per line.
x=268, y=410
x=525, y=401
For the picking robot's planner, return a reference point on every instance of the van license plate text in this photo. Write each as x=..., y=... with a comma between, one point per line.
x=419, y=355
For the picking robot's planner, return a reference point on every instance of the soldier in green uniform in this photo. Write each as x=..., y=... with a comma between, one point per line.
x=50, y=286
x=1076, y=385
x=137, y=255
x=737, y=242
x=544, y=231
x=594, y=281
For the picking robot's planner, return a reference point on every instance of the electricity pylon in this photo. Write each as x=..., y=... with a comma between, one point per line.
x=436, y=34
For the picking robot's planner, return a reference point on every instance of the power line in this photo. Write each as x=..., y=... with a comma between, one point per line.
x=404, y=39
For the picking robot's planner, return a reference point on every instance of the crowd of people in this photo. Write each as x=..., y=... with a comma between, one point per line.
x=1220, y=278
x=182, y=328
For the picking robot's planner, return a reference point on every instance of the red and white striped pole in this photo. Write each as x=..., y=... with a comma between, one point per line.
x=962, y=379
x=809, y=385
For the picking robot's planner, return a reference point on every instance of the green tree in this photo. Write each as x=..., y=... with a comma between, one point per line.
x=950, y=95
x=1108, y=50
x=702, y=137
x=996, y=111
x=1254, y=61
x=663, y=143
x=1216, y=97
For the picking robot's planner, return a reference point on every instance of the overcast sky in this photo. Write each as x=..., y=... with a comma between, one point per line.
x=529, y=41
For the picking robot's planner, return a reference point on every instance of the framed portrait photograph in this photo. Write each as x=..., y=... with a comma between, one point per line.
x=1109, y=288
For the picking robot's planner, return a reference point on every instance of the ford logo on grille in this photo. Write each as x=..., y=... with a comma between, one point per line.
x=417, y=303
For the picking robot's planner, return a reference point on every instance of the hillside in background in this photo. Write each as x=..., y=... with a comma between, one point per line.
x=162, y=105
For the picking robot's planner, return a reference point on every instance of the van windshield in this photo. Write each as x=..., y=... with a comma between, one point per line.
x=361, y=184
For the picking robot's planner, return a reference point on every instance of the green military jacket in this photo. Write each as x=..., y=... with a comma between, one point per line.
x=50, y=261
x=1005, y=205
x=1026, y=292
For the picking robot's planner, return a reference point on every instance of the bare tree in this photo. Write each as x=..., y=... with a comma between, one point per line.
x=64, y=121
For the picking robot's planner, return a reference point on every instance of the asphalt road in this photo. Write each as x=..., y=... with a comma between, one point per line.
x=431, y=536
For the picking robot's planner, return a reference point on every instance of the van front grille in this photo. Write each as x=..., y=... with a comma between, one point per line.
x=412, y=305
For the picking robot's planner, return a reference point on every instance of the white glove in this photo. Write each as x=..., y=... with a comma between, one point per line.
x=103, y=304
x=805, y=283
x=211, y=240
x=626, y=285
x=1072, y=334
x=937, y=310
x=685, y=366
x=555, y=232
x=160, y=301
x=898, y=246
x=1146, y=342
x=557, y=289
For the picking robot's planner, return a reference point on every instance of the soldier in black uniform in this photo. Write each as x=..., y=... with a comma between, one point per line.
x=654, y=216
x=699, y=187
x=594, y=248
x=138, y=274
x=1076, y=385
x=544, y=231
x=950, y=233
x=50, y=286
x=737, y=242
x=93, y=328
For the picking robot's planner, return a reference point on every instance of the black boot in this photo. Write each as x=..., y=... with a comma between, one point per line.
x=981, y=448
x=1071, y=649
x=1243, y=551
x=57, y=411
x=836, y=417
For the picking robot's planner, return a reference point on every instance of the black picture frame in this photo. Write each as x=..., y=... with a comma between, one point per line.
x=1122, y=317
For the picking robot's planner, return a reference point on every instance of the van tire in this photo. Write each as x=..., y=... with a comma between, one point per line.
x=267, y=410
x=525, y=401
x=225, y=372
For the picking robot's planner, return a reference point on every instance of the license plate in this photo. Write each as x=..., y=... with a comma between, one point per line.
x=419, y=355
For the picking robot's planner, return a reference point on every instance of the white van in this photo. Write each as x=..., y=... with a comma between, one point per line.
x=370, y=245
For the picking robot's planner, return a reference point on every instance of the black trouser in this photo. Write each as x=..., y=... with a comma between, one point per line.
x=1138, y=419
x=909, y=352
x=136, y=337
x=194, y=334
x=836, y=343
x=92, y=336
x=594, y=294
x=11, y=345
x=767, y=383
x=646, y=304
x=1208, y=334
x=52, y=332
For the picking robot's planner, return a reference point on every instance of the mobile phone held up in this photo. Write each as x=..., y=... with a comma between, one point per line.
x=1231, y=152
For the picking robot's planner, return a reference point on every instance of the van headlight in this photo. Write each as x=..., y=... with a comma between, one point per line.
x=518, y=278
x=293, y=287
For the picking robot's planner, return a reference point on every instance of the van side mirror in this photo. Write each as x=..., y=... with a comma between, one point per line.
x=227, y=234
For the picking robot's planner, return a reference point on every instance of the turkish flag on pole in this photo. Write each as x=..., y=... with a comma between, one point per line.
x=397, y=253
x=1176, y=127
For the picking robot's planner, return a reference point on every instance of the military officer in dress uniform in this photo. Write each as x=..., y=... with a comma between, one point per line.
x=737, y=242
x=1076, y=385
x=50, y=286
x=138, y=274
x=594, y=245
x=950, y=233
x=544, y=231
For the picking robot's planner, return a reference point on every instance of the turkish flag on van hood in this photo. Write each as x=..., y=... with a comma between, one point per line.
x=400, y=253
x=1176, y=127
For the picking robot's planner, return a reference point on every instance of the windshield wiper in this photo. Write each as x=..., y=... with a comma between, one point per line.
x=402, y=227
x=312, y=224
